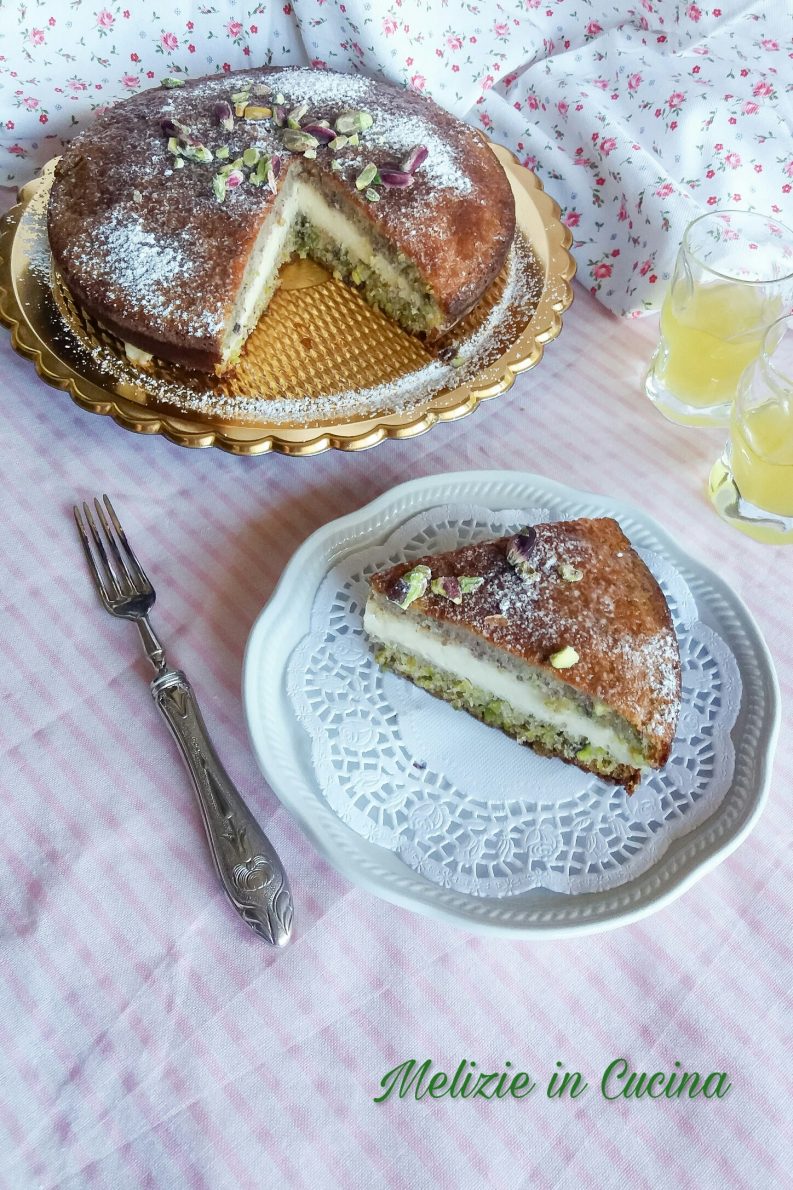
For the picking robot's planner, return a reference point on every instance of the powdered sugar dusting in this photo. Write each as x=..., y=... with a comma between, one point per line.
x=143, y=272
x=399, y=133
x=401, y=395
x=320, y=86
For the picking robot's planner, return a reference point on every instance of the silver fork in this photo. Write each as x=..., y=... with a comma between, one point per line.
x=246, y=862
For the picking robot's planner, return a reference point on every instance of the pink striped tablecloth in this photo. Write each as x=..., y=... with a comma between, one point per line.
x=147, y=1038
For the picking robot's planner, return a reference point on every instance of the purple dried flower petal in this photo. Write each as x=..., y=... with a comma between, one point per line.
x=519, y=549
x=416, y=157
x=275, y=162
x=323, y=134
x=448, y=586
x=395, y=178
x=397, y=590
x=224, y=116
x=171, y=127
x=410, y=586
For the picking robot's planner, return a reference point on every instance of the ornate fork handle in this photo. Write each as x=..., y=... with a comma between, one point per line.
x=248, y=867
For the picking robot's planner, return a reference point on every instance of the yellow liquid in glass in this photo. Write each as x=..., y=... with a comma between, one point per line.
x=762, y=457
x=710, y=339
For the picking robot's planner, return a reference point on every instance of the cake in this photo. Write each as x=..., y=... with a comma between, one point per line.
x=170, y=216
x=558, y=635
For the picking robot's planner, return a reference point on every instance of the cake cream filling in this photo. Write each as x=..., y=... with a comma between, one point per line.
x=299, y=198
x=136, y=356
x=521, y=695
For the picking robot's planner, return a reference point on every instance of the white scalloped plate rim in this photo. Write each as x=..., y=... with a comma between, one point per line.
x=282, y=751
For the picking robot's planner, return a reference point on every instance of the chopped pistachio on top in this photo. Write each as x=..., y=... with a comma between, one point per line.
x=296, y=115
x=250, y=156
x=239, y=100
x=298, y=141
x=252, y=111
x=222, y=153
x=168, y=83
x=366, y=176
x=199, y=153
x=371, y=195
x=267, y=170
x=411, y=586
x=230, y=167
x=219, y=187
x=570, y=573
x=259, y=175
x=454, y=588
x=353, y=122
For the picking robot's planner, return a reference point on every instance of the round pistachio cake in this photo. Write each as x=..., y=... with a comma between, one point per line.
x=170, y=216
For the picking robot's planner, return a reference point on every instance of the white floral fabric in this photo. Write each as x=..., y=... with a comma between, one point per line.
x=637, y=117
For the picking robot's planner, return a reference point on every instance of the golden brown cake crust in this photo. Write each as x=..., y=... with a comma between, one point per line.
x=615, y=617
x=149, y=251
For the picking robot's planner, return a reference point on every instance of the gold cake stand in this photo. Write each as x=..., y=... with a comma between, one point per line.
x=317, y=339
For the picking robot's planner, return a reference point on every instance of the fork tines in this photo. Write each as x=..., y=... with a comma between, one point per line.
x=127, y=577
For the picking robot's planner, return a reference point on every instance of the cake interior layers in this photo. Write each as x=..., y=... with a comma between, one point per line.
x=321, y=224
x=503, y=691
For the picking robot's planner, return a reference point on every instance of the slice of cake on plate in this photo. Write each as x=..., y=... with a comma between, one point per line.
x=559, y=635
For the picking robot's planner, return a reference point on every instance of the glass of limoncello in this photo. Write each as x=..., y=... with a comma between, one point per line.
x=751, y=485
x=732, y=279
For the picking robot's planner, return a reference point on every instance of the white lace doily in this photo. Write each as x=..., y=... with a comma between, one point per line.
x=460, y=802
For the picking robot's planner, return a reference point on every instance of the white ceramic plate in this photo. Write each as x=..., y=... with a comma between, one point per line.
x=282, y=748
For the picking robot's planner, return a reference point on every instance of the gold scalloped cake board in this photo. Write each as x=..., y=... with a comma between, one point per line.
x=316, y=339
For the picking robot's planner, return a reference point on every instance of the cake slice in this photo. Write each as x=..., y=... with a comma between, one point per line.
x=559, y=635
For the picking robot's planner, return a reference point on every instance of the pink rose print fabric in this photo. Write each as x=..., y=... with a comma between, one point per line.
x=637, y=117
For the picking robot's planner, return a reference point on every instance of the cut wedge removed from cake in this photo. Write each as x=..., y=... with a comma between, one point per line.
x=558, y=635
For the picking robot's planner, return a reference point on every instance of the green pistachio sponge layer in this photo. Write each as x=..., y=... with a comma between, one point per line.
x=414, y=308
x=496, y=712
